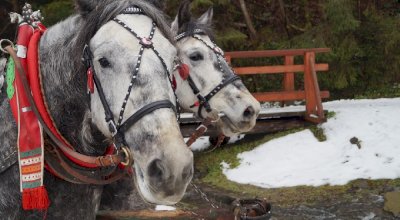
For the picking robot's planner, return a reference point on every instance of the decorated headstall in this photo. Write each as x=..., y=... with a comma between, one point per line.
x=203, y=101
x=184, y=72
x=117, y=129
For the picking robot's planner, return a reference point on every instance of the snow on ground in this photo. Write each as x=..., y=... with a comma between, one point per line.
x=164, y=208
x=300, y=159
x=202, y=143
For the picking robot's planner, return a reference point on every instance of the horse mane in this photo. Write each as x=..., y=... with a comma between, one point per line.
x=65, y=87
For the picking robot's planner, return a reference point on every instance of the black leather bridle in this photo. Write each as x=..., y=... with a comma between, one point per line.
x=117, y=129
x=203, y=101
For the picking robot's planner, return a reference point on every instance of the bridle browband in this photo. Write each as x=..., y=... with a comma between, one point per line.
x=203, y=101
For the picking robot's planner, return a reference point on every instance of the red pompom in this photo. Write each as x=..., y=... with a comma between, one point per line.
x=184, y=71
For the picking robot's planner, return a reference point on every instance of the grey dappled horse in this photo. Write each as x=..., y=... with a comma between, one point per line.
x=163, y=163
x=234, y=100
x=211, y=75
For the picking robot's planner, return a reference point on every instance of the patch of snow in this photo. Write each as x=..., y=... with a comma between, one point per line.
x=164, y=208
x=202, y=143
x=300, y=159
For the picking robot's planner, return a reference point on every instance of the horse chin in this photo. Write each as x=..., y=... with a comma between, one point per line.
x=148, y=195
x=230, y=128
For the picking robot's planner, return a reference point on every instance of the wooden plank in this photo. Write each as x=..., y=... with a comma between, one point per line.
x=262, y=126
x=284, y=96
x=266, y=123
x=274, y=53
x=277, y=69
x=141, y=214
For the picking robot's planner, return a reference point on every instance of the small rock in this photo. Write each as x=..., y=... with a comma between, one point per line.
x=392, y=203
x=356, y=141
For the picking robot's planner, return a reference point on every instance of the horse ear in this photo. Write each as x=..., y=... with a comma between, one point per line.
x=85, y=6
x=182, y=17
x=206, y=18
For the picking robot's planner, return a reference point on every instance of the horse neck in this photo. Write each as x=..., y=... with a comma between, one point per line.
x=64, y=85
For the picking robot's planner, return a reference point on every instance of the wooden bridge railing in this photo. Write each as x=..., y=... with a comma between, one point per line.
x=310, y=93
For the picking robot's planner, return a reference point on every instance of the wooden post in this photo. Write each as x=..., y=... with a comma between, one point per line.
x=319, y=108
x=288, y=79
x=314, y=110
x=228, y=59
x=308, y=86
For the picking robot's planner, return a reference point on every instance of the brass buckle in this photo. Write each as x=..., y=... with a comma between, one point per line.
x=128, y=156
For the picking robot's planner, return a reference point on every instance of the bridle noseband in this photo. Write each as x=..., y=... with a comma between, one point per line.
x=203, y=101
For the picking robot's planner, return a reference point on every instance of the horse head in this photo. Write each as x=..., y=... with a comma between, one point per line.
x=210, y=86
x=130, y=52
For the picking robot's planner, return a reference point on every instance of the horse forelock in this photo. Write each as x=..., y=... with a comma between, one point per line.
x=190, y=27
x=107, y=10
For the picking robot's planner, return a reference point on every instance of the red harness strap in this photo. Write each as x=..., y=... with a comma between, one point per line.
x=35, y=83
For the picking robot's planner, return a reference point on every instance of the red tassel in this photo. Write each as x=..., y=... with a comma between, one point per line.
x=35, y=198
x=90, y=82
x=184, y=71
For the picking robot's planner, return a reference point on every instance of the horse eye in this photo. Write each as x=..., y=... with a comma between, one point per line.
x=104, y=62
x=196, y=56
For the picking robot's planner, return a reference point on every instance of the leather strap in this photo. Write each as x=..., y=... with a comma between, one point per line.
x=147, y=109
x=218, y=88
x=61, y=167
x=199, y=131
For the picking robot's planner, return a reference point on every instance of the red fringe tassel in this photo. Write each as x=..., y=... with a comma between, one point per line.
x=35, y=198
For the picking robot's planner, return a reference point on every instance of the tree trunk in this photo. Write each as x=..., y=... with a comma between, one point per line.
x=15, y=6
x=249, y=23
x=285, y=18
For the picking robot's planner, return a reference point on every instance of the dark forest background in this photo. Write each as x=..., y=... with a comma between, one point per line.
x=364, y=36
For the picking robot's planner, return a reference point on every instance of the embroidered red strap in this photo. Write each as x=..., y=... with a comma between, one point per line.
x=30, y=137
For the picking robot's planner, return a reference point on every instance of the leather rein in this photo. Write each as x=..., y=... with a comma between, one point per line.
x=70, y=165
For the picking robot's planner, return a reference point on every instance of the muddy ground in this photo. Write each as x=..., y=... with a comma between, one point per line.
x=205, y=199
x=360, y=202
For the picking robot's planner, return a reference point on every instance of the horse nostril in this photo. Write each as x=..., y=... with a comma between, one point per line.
x=155, y=169
x=248, y=112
